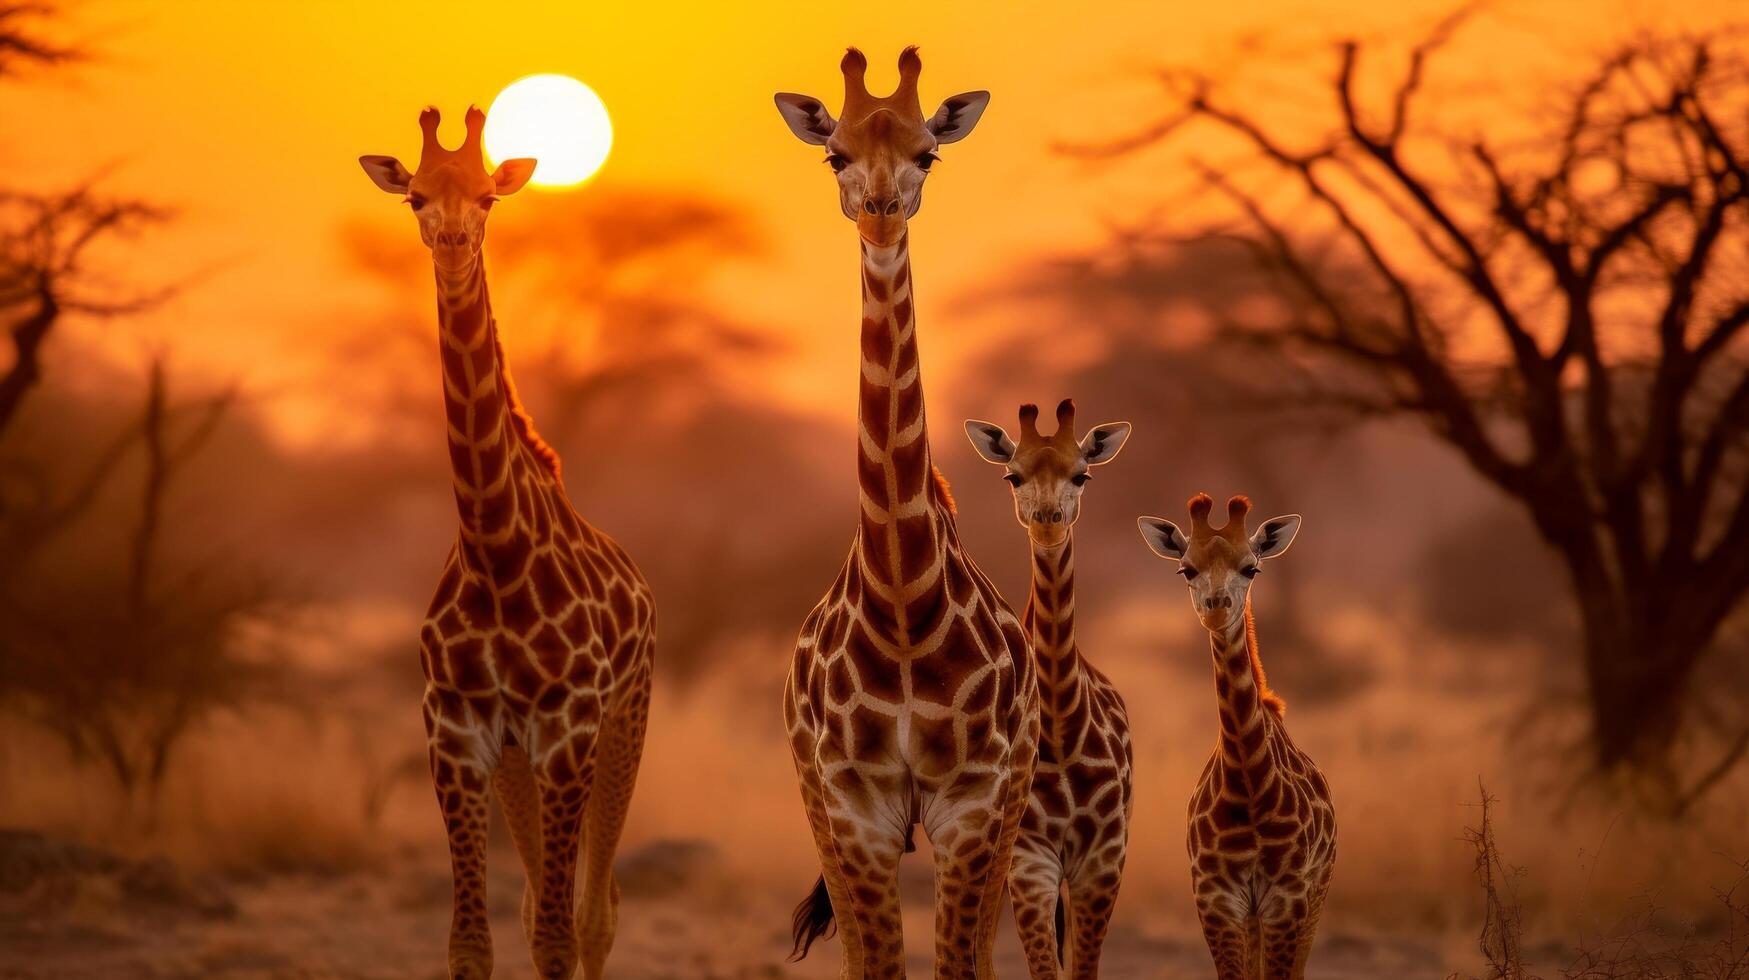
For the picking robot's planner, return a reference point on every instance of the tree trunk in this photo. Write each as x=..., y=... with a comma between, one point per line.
x=1637, y=684
x=27, y=340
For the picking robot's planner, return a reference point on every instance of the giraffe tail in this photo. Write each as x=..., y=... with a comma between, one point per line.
x=1062, y=957
x=812, y=920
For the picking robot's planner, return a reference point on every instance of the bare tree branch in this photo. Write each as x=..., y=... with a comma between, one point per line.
x=1612, y=245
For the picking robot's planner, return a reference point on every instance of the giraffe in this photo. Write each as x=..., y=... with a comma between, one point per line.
x=911, y=697
x=537, y=647
x=1076, y=826
x=1262, y=828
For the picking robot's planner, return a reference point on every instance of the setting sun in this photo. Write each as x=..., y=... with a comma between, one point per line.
x=556, y=119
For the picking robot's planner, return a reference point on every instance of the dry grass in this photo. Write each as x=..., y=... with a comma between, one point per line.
x=1645, y=943
x=317, y=793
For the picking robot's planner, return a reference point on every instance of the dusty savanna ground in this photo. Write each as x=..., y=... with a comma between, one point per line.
x=263, y=867
x=685, y=915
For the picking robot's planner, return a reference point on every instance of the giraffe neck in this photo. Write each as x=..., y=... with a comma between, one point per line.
x=901, y=535
x=1050, y=621
x=483, y=447
x=1246, y=706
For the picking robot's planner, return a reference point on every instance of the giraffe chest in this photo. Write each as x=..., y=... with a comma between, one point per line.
x=551, y=630
x=929, y=702
x=1260, y=826
x=1081, y=789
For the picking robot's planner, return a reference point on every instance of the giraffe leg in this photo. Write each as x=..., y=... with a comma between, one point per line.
x=617, y=755
x=969, y=837
x=461, y=780
x=1035, y=890
x=514, y=785
x=1289, y=924
x=1231, y=933
x=1092, y=899
x=867, y=842
x=814, y=802
x=562, y=780
x=1015, y=797
x=1281, y=924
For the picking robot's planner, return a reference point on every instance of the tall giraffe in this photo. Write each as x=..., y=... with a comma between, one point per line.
x=1262, y=829
x=911, y=698
x=537, y=646
x=1077, y=822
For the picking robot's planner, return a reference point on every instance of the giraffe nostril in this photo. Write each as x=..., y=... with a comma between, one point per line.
x=893, y=206
x=868, y=205
x=1056, y=517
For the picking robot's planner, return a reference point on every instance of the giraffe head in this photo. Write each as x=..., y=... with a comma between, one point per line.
x=1219, y=564
x=881, y=149
x=1048, y=473
x=451, y=193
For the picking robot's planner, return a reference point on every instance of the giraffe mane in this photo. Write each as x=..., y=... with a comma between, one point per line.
x=944, y=491
x=520, y=419
x=1265, y=695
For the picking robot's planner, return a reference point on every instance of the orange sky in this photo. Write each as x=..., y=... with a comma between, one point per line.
x=249, y=117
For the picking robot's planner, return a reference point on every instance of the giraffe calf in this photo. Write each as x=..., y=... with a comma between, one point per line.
x=1075, y=831
x=1262, y=829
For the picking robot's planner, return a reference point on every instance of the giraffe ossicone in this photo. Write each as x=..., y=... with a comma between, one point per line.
x=911, y=698
x=1075, y=835
x=537, y=646
x=1262, y=828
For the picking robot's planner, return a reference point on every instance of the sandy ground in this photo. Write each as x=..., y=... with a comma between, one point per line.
x=67, y=911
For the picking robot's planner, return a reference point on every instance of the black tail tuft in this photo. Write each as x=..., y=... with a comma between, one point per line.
x=1061, y=959
x=813, y=920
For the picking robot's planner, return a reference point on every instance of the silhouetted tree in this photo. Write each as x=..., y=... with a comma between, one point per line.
x=117, y=649
x=22, y=43
x=1567, y=312
x=122, y=653
x=46, y=238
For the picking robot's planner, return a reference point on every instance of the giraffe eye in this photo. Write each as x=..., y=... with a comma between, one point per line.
x=416, y=201
x=1186, y=571
x=1080, y=479
x=1250, y=571
x=926, y=160
x=1013, y=479
x=487, y=202
x=838, y=162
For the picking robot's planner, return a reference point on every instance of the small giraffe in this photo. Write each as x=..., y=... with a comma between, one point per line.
x=1262, y=831
x=911, y=696
x=1077, y=823
x=537, y=646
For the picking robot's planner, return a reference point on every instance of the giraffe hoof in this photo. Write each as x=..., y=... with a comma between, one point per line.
x=470, y=971
x=555, y=964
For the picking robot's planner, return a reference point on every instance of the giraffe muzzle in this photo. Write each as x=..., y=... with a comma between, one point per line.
x=880, y=206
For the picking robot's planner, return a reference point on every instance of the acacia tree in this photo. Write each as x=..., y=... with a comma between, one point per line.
x=122, y=654
x=46, y=239
x=119, y=651
x=45, y=242
x=1566, y=311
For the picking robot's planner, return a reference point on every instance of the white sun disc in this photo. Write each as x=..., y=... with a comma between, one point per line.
x=556, y=119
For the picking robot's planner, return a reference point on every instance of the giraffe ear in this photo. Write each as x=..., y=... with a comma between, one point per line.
x=807, y=118
x=1273, y=538
x=1103, y=442
x=990, y=441
x=1163, y=537
x=387, y=173
x=956, y=117
x=512, y=174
